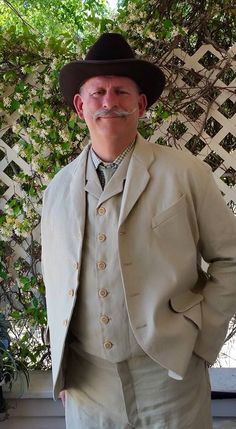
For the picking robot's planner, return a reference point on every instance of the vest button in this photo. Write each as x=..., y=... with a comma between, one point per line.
x=101, y=265
x=101, y=210
x=107, y=345
x=103, y=293
x=101, y=237
x=104, y=319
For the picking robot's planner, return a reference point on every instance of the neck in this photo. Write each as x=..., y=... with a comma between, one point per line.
x=108, y=149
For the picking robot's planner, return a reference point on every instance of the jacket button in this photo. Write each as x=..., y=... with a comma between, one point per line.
x=71, y=292
x=104, y=319
x=103, y=293
x=101, y=265
x=101, y=237
x=107, y=345
x=101, y=210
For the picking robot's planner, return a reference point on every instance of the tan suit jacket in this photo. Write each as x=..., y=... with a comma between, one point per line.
x=172, y=214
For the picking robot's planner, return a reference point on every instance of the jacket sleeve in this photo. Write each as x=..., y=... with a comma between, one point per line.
x=217, y=245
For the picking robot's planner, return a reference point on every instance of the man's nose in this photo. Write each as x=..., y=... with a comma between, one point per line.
x=110, y=99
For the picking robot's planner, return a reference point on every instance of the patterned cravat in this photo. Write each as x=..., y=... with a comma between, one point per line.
x=105, y=172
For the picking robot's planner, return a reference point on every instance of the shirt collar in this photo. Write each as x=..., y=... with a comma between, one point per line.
x=97, y=161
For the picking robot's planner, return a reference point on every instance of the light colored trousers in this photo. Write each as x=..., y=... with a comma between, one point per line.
x=137, y=393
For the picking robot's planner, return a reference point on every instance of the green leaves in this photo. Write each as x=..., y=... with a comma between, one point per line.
x=15, y=205
x=167, y=24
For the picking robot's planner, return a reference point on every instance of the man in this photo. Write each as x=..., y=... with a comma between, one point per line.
x=133, y=318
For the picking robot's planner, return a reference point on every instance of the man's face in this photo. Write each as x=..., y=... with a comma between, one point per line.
x=110, y=106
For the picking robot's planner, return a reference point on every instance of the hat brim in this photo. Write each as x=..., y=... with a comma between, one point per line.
x=149, y=77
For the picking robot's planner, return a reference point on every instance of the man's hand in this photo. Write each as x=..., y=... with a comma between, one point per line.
x=62, y=396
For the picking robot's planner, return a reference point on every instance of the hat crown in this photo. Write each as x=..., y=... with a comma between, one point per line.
x=110, y=46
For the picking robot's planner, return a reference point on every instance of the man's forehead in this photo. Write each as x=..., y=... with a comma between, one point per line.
x=104, y=80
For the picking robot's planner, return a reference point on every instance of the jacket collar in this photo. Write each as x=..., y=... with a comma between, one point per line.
x=137, y=177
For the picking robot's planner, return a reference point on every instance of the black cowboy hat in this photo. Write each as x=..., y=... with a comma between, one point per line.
x=111, y=55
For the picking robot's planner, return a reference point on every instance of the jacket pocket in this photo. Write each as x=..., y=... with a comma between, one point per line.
x=170, y=212
x=189, y=304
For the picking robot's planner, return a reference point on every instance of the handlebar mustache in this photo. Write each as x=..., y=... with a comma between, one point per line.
x=101, y=113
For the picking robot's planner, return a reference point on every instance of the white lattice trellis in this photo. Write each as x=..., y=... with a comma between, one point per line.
x=222, y=145
x=212, y=146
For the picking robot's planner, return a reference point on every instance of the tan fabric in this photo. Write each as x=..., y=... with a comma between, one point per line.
x=171, y=214
x=136, y=394
x=89, y=331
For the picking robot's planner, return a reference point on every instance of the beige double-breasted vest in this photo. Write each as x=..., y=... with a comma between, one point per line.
x=100, y=324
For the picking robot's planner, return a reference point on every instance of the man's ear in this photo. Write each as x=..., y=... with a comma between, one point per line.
x=142, y=104
x=78, y=103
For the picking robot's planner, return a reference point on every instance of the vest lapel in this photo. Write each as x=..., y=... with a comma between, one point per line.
x=137, y=177
x=93, y=185
x=116, y=183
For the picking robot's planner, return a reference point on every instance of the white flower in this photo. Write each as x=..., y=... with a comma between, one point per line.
x=53, y=64
x=79, y=137
x=5, y=234
x=124, y=27
x=8, y=210
x=142, y=14
x=17, y=232
x=21, y=109
x=47, y=95
x=47, y=80
x=25, y=207
x=46, y=152
x=45, y=117
x=17, y=97
x=42, y=133
x=175, y=32
x=15, y=128
x=152, y=36
x=6, y=102
x=34, y=165
x=63, y=135
x=46, y=178
x=47, y=53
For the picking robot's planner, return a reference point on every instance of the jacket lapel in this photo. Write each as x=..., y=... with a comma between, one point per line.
x=77, y=193
x=137, y=176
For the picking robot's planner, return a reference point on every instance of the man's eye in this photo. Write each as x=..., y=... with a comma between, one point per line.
x=98, y=92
